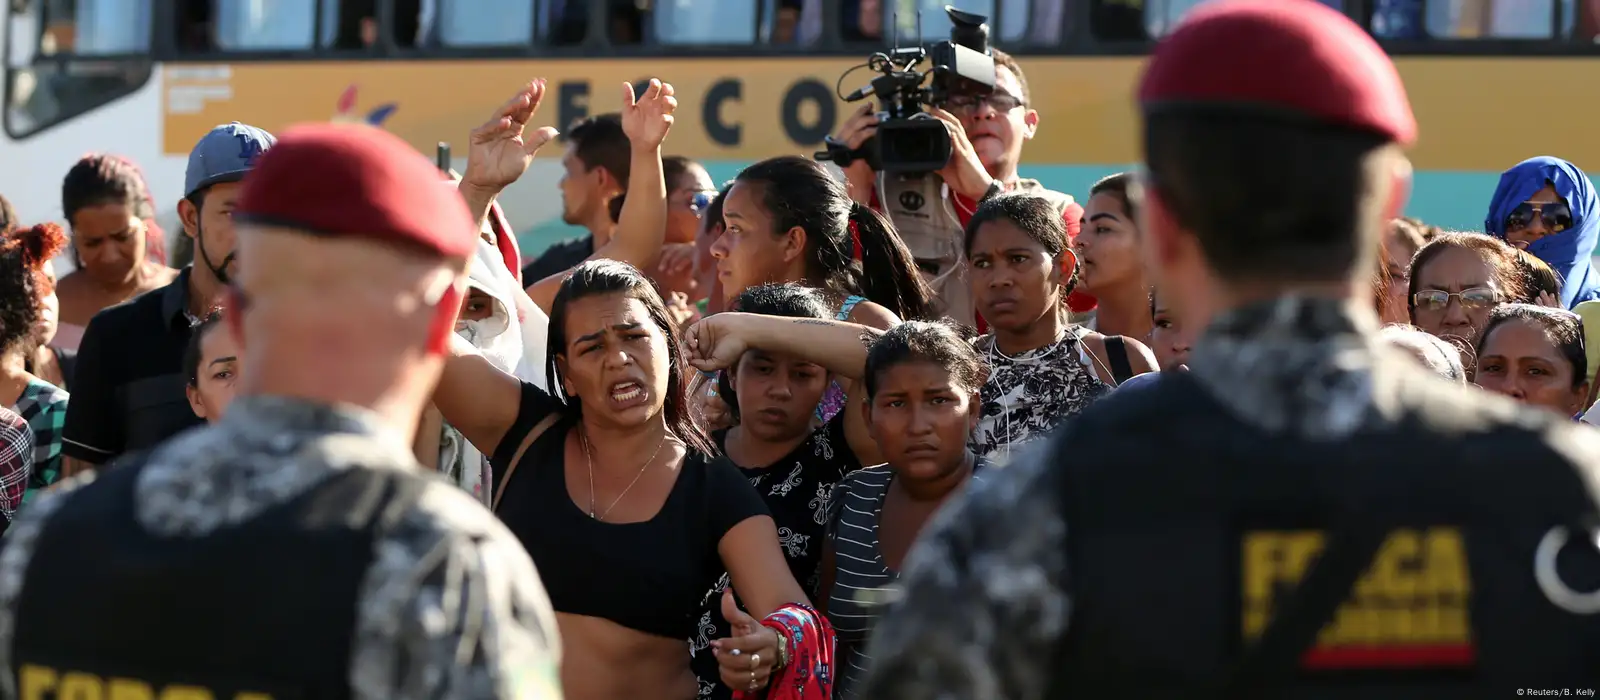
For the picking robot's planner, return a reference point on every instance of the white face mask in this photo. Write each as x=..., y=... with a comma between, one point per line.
x=471, y=331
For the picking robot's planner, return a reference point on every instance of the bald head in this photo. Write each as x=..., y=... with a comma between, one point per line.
x=352, y=257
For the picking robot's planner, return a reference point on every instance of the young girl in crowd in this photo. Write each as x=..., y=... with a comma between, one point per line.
x=1042, y=369
x=24, y=253
x=787, y=219
x=1535, y=354
x=1110, y=266
x=616, y=496
x=1170, y=339
x=793, y=462
x=922, y=384
x=211, y=365
x=108, y=206
x=1458, y=278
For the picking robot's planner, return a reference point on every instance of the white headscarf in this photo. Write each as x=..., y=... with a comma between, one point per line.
x=512, y=338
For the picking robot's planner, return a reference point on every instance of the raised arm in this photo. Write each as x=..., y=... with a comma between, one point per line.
x=642, y=227
x=718, y=341
x=501, y=149
x=476, y=397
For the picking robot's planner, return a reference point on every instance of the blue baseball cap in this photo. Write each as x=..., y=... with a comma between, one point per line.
x=224, y=154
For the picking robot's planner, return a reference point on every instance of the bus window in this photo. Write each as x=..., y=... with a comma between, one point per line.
x=704, y=21
x=92, y=40
x=1473, y=19
x=903, y=16
x=485, y=22
x=1162, y=16
x=263, y=25
x=1117, y=20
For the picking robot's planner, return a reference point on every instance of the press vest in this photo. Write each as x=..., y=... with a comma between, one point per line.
x=1187, y=529
x=264, y=609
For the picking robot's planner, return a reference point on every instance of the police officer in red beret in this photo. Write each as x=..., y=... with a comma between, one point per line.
x=294, y=549
x=1304, y=513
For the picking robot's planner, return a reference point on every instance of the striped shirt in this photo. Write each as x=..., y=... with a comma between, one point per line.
x=862, y=580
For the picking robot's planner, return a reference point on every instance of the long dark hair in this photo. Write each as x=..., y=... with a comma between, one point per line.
x=799, y=192
x=788, y=300
x=597, y=277
x=103, y=178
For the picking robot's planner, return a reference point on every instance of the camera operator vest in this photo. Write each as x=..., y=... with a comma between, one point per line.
x=931, y=220
x=265, y=609
x=1189, y=533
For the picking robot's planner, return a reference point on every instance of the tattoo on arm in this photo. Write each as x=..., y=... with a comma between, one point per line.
x=812, y=322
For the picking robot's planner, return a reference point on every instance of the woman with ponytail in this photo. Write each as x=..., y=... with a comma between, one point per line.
x=787, y=219
x=24, y=254
x=116, y=244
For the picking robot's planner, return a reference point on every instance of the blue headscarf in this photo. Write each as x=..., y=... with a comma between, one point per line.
x=1568, y=252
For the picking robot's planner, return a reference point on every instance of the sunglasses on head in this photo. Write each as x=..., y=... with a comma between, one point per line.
x=1556, y=216
x=1474, y=298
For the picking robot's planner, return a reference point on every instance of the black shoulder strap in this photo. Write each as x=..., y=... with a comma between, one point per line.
x=1117, y=355
x=1275, y=655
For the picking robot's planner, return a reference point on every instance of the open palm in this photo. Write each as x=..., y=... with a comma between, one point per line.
x=501, y=149
x=647, y=118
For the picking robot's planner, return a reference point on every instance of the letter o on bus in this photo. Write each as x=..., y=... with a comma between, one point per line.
x=802, y=91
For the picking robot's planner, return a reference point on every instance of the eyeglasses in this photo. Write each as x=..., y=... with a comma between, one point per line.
x=1556, y=216
x=967, y=104
x=1474, y=298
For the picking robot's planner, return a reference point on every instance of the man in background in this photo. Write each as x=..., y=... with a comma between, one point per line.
x=128, y=385
x=595, y=171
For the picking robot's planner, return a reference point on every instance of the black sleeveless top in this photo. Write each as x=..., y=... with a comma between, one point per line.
x=648, y=576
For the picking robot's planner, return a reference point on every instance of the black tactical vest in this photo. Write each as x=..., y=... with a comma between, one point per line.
x=262, y=609
x=1187, y=529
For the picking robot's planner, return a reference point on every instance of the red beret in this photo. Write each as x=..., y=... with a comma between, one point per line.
x=1287, y=56
x=356, y=180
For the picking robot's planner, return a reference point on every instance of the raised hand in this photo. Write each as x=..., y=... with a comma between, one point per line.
x=714, y=342
x=500, y=150
x=647, y=118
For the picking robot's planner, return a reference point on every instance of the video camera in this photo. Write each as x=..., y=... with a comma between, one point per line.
x=909, y=140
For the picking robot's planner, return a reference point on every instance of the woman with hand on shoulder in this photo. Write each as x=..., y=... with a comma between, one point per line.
x=1043, y=370
x=612, y=491
x=793, y=462
x=503, y=148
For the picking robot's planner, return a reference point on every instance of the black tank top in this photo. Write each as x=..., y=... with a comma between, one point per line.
x=647, y=576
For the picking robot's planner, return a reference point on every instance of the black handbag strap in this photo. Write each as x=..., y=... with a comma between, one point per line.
x=1117, y=356
x=1275, y=655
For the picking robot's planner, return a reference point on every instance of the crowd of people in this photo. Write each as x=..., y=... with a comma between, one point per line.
x=863, y=441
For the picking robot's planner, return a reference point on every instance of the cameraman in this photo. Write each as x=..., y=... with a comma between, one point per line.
x=986, y=134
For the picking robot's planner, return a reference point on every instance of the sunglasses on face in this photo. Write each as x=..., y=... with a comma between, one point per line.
x=998, y=101
x=1474, y=298
x=700, y=201
x=1556, y=216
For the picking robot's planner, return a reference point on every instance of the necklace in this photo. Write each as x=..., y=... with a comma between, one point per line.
x=588, y=460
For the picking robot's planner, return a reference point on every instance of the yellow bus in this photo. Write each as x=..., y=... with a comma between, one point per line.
x=1492, y=81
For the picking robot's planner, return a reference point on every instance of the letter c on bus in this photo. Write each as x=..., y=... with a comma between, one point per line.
x=721, y=132
x=1549, y=579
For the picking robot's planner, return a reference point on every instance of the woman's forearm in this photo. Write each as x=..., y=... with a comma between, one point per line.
x=839, y=346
